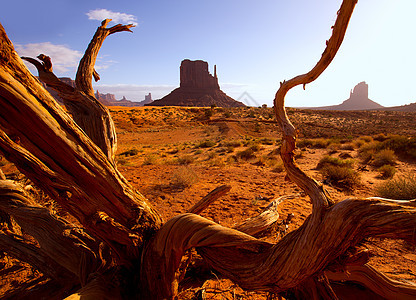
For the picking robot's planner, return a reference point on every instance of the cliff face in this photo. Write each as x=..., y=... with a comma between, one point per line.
x=197, y=88
x=195, y=74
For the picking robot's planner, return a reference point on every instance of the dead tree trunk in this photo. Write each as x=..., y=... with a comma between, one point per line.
x=122, y=249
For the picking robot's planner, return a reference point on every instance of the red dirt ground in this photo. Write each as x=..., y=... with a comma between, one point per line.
x=175, y=156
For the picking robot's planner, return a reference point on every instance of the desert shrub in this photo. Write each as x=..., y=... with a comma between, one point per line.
x=130, y=152
x=174, y=151
x=279, y=168
x=248, y=153
x=150, y=159
x=381, y=137
x=384, y=157
x=206, y=144
x=321, y=143
x=387, y=171
x=255, y=147
x=366, y=152
x=347, y=146
x=334, y=161
x=184, y=177
x=208, y=113
x=275, y=163
x=185, y=159
x=231, y=145
x=341, y=176
x=212, y=155
x=314, y=143
x=402, y=187
x=266, y=141
x=217, y=162
x=227, y=114
x=304, y=143
x=401, y=145
x=366, y=138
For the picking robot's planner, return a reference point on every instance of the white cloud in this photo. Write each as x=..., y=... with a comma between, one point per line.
x=64, y=59
x=134, y=92
x=117, y=17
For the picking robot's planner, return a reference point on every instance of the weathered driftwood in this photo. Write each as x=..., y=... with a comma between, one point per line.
x=59, y=240
x=261, y=222
x=87, y=111
x=71, y=167
x=202, y=204
x=49, y=148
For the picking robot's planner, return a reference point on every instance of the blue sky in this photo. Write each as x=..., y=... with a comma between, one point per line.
x=255, y=45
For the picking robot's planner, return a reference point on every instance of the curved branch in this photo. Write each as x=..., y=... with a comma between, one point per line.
x=210, y=198
x=60, y=159
x=18, y=247
x=86, y=70
x=261, y=222
x=93, y=117
x=319, y=198
x=256, y=265
x=376, y=281
x=67, y=245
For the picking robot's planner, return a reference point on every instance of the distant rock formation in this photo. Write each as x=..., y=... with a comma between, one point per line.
x=147, y=100
x=106, y=99
x=358, y=100
x=197, y=88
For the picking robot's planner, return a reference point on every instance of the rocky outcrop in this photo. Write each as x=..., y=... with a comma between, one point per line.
x=197, y=88
x=147, y=100
x=358, y=100
x=106, y=99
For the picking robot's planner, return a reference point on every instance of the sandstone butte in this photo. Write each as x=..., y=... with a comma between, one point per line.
x=197, y=88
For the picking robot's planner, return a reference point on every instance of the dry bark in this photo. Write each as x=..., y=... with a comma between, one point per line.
x=93, y=117
x=47, y=145
x=50, y=149
x=64, y=243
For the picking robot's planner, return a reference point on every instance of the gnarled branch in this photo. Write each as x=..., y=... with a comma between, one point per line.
x=93, y=117
x=319, y=197
x=57, y=156
x=67, y=245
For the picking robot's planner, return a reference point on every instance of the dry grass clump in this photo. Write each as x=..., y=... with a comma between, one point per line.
x=206, y=144
x=401, y=145
x=320, y=143
x=347, y=146
x=248, y=153
x=184, y=177
x=387, y=171
x=343, y=177
x=150, y=159
x=130, y=152
x=230, y=145
x=334, y=161
x=185, y=159
x=339, y=172
x=384, y=157
x=403, y=187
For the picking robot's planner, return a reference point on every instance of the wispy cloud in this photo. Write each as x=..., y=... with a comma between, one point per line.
x=64, y=59
x=117, y=17
x=135, y=92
